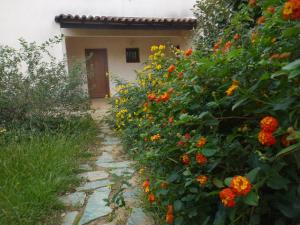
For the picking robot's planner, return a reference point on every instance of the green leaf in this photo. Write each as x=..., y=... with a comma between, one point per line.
x=252, y=198
x=197, y=89
x=238, y=103
x=209, y=151
x=227, y=181
x=218, y=183
x=220, y=216
x=174, y=176
x=178, y=205
x=178, y=220
x=252, y=174
x=293, y=65
x=288, y=150
x=276, y=181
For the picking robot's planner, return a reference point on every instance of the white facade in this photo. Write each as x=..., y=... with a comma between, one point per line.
x=34, y=21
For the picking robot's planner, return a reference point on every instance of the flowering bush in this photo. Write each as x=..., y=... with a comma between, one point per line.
x=218, y=135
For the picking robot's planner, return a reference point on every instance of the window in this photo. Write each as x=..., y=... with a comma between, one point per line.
x=132, y=55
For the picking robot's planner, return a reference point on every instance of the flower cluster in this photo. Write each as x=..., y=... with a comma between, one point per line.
x=232, y=88
x=239, y=186
x=268, y=125
x=291, y=10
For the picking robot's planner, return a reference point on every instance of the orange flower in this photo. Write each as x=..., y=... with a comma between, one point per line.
x=271, y=9
x=155, y=137
x=240, y=185
x=291, y=10
x=171, y=68
x=261, y=20
x=227, y=197
x=146, y=186
x=217, y=45
x=227, y=46
x=236, y=37
x=201, y=142
x=185, y=159
x=202, y=179
x=252, y=3
x=269, y=124
x=169, y=215
x=165, y=97
x=171, y=119
x=188, y=52
x=266, y=138
x=151, y=198
x=232, y=88
x=151, y=96
x=201, y=159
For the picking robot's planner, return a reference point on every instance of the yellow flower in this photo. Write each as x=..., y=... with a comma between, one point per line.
x=232, y=88
x=158, y=67
x=288, y=8
x=154, y=48
x=155, y=137
x=161, y=47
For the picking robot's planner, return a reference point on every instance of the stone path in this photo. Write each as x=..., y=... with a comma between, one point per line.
x=102, y=177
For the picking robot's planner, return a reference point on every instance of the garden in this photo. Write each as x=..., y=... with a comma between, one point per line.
x=41, y=141
x=215, y=129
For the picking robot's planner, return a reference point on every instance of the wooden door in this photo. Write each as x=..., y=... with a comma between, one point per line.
x=97, y=68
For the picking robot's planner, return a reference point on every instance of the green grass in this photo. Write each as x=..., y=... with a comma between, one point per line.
x=36, y=167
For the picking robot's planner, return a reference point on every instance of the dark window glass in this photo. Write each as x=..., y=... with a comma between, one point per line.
x=132, y=55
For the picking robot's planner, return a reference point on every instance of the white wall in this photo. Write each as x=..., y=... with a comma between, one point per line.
x=34, y=19
x=116, y=46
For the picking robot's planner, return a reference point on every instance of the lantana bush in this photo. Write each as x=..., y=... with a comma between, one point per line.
x=217, y=135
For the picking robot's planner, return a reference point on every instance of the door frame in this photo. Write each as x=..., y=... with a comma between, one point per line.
x=106, y=68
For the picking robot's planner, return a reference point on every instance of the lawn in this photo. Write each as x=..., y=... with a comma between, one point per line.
x=37, y=167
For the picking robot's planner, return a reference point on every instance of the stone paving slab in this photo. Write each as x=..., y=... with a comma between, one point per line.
x=94, y=185
x=75, y=199
x=69, y=218
x=122, y=171
x=105, y=158
x=85, y=167
x=94, y=175
x=114, y=164
x=137, y=217
x=96, y=206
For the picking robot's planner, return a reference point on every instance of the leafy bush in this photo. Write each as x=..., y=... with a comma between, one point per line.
x=218, y=135
x=35, y=87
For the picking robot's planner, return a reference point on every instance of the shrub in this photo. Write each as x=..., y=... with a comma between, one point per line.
x=218, y=135
x=35, y=87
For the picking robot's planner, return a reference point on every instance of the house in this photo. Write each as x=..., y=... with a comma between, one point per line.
x=115, y=36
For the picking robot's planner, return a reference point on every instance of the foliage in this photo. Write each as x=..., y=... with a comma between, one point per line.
x=35, y=167
x=35, y=87
x=198, y=124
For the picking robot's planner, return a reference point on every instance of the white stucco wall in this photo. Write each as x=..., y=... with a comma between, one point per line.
x=34, y=19
x=116, y=42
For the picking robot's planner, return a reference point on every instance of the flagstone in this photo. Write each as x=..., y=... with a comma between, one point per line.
x=94, y=175
x=69, y=218
x=114, y=164
x=96, y=206
x=75, y=199
x=94, y=185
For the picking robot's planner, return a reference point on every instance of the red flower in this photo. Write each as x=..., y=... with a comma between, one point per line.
x=165, y=97
x=240, y=185
x=151, y=198
x=180, y=75
x=227, y=46
x=271, y=9
x=236, y=37
x=171, y=119
x=291, y=10
x=151, y=96
x=202, y=179
x=187, y=136
x=266, y=138
x=181, y=143
x=201, y=142
x=185, y=159
x=169, y=215
x=285, y=142
x=201, y=159
x=188, y=52
x=269, y=124
x=227, y=197
x=171, y=68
